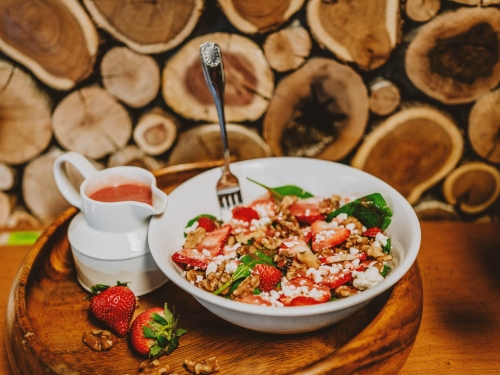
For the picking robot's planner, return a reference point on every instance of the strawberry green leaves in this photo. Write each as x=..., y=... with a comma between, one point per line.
x=279, y=192
x=371, y=210
x=164, y=331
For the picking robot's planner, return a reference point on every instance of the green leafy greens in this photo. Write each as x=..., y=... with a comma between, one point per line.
x=279, y=192
x=371, y=210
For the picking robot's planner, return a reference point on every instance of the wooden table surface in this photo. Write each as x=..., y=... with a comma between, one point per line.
x=460, y=330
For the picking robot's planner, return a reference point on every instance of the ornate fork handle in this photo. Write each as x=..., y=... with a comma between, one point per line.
x=213, y=69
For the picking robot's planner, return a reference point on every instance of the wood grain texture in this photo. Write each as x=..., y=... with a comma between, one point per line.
x=377, y=339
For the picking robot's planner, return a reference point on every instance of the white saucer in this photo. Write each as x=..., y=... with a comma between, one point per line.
x=105, y=258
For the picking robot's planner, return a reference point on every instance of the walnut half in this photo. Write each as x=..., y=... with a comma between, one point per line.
x=153, y=367
x=98, y=340
x=208, y=366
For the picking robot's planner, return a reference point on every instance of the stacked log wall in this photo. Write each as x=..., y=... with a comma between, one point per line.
x=379, y=85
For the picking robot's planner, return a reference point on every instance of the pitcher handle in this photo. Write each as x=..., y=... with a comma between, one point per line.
x=82, y=164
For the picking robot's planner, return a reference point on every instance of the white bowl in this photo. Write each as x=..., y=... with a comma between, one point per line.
x=321, y=178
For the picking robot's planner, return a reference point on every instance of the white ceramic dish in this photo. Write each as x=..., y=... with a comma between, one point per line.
x=107, y=257
x=321, y=178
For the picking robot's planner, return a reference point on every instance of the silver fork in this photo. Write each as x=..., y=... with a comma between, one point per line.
x=228, y=187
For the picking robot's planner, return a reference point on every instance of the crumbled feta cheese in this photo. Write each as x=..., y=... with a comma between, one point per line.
x=341, y=217
x=367, y=279
x=206, y=252
x=351, y=226
x=212, y=267
x=231, y=267
x=381, y=238
x=192, y=228
x=353, y=251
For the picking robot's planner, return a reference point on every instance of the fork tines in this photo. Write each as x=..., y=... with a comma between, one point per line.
x=229, y=198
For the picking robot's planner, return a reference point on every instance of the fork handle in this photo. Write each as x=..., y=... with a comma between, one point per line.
x=213, y=70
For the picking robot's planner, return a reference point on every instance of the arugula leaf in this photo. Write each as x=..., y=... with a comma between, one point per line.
x=279, y=192
x=371, y=210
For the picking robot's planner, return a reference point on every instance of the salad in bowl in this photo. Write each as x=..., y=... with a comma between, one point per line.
x=313, y=242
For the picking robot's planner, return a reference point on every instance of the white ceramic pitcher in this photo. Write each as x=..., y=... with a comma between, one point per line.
x=109, y=239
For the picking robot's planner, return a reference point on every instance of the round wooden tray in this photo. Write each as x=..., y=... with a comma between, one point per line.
x=47, y=315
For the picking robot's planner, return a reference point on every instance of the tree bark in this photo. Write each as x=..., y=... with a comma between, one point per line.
x=422, y=10
x=384, y=98
x=155, y=131
x=288, y=48
x=131, y=77
x=253, y=17
x=40, y=192
x=320, y=110
x=147, y=26
x=455, y=58
x=472, y=187
x=55, y=39
x=362, y=32
x=203, y=143
x=7, y=177
x=24, y=116
x=484, y=126
x=131, y=155
x=412, y=150
x=92, y=122
x=249, y=80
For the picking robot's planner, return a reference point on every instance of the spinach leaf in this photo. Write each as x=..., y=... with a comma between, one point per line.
x=371, y=211
x=279, y=192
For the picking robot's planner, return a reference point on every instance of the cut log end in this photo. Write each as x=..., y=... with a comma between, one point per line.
x=288, y=48
x=365, y=35
x=92, y=122
x=155, y=132
x=133, y=156
x=484, y=126
x=320, y=110
x=203, y=143
x=252, y=17
x=249, y=80
x=385, y=97
x=132, y=78
x=422, y=10
x=472, y=187
x=455, y=58
x=7, y=177
x=412, y=150
x=435, y=210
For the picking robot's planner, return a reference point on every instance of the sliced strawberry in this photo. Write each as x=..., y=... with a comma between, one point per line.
x=303, y=301
x=334, y=281
x=269, y=276
x=307, y=210
x=207, y=224
x=326, y=235
x=372, y=232
x=245, y=214
x=302, y=288
x=264, y=205
x=211, y=246
x=253, y=299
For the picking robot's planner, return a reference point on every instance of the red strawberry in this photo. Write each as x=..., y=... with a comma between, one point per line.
x=307, y=210
x=327, y=235
x=319, y=293
x=198, y=257
x=265, y=204
x=372, y=232
x=269, y=276
x=114, y=306
x=245, y=214
x=154, y=332
x=334, y=281
x=207, y=223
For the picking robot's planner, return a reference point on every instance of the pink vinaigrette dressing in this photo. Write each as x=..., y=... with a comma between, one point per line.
x=125, y=192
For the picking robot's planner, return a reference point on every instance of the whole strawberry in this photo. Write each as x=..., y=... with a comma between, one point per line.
x=154, y=332
x=113, y=305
